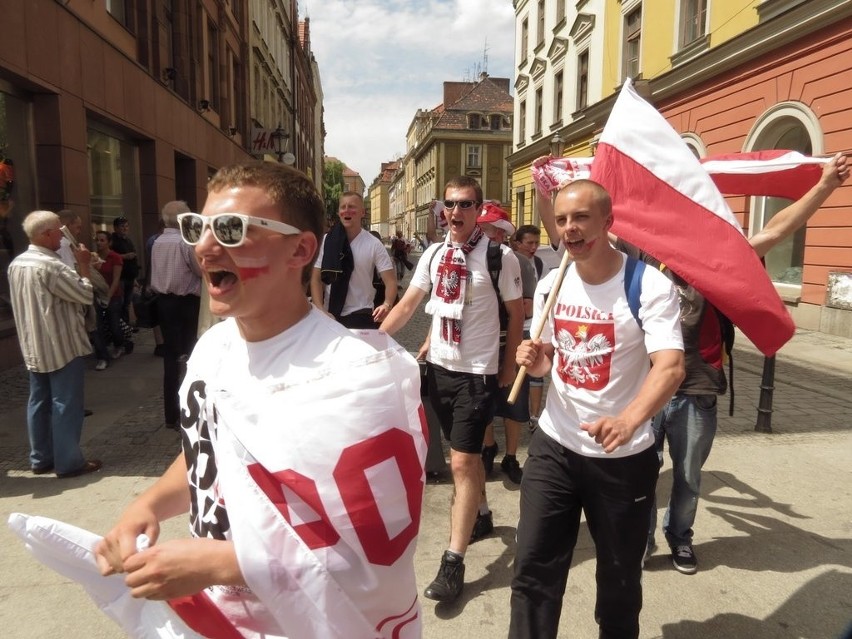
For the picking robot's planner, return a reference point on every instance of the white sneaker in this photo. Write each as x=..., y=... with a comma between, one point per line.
x=101, y=365
x=116, y=351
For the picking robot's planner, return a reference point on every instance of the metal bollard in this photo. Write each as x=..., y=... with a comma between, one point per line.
x=767, y=387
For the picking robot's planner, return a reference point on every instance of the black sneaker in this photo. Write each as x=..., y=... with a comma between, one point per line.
x=683, y=559
x=488, y=455
x=512, y=468
x=483, y=525
x=449, y=581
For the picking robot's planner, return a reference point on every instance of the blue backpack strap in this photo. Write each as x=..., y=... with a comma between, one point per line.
x=633, y=270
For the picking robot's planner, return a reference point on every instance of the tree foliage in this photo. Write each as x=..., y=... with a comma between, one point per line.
x=332, y=187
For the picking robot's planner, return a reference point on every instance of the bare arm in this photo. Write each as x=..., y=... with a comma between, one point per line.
x=431, y=232
x=544, y=206
x=173, y=568
x=168, y=497
x=789, y=220
x=381, y=311
x=666, y=374
x=402, y=312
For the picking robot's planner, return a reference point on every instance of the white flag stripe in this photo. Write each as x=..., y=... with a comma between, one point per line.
x=750, y=167
x=385, y=482
x=644, y=137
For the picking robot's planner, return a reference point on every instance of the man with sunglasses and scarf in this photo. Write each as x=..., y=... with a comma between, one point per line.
x=464, y=367
x=176, y=277
x=303, y=449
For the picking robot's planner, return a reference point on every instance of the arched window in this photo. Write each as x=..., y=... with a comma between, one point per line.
x=790, y=125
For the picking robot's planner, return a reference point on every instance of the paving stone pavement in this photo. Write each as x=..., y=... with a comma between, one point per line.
x=773, y=535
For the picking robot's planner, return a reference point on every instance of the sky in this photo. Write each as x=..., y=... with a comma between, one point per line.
x=381, y=60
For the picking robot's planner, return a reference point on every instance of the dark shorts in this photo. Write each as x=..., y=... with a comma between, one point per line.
x=464, y=405
x=520, y=410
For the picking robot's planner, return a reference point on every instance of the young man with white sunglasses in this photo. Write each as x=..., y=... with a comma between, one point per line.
x=303, y=449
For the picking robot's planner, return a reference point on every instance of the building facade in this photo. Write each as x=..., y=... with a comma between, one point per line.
x=469, y=133
x=729, y=76
x=115, y=107
x=379, y=196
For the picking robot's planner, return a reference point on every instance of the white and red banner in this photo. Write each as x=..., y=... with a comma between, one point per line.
x=775, y=173
x=665, y=203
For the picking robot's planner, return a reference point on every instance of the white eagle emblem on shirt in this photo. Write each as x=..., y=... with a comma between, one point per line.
x=580, y=356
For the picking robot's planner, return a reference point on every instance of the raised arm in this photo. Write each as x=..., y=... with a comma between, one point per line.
x=789, y=220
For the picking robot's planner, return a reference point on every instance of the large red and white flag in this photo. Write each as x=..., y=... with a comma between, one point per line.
x=666, y=204
x=776, y=173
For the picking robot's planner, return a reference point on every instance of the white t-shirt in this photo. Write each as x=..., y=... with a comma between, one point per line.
x=367, y=253
x=480, y=319
x=223, y=363
x=601, y=357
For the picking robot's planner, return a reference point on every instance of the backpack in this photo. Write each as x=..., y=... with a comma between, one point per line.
x=633, y=270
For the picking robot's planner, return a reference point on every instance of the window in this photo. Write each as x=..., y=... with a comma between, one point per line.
x=520, y=204
x=538, y=111
x=583, y=80
x=525, y=38
x=632, y=44
x=121, y=10
x=540, y=34
x=693, y=21
x=560, y=10
x=474, y=156
x=113, y=179
x=495, y=120
x=473, y=121
x=558, y=87
x=522, y=125
x=212, y=64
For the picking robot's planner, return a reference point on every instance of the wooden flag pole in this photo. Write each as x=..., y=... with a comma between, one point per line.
x=551, y=298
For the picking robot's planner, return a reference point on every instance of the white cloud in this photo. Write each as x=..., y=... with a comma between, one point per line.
x=381, y=60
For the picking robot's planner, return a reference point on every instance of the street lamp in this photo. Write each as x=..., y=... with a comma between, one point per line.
x=280, y=136
x=556, y=146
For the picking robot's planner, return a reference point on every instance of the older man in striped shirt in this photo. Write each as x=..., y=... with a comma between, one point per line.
x=48, y=301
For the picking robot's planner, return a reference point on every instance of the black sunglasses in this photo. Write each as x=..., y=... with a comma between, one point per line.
x=462, y=204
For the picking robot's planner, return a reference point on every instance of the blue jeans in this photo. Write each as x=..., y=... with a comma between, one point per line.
x=688, y=423
x=55, y=417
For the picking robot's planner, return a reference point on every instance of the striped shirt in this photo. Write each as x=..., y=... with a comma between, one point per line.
x=48, y=302
x=174, y=268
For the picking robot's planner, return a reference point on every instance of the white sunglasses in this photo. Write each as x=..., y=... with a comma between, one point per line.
x=229, y=229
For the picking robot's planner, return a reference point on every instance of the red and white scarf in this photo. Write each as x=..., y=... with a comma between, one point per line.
x=449, y=298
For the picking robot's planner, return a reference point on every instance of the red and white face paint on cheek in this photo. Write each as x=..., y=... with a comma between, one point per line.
x=250, y=267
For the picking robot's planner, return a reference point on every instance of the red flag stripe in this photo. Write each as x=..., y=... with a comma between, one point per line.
x=710, y=257
x=776, y=173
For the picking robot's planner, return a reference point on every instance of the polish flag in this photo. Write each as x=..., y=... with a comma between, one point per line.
x=776, y=173
x=666, y=204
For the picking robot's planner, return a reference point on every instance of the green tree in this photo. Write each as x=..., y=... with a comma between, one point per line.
x=332, y=187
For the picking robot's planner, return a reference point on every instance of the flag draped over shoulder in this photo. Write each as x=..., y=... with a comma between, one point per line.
x=776, y=173
x=667, y=205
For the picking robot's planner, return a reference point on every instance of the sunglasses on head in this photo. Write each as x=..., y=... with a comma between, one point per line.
x=462, y=204
x=229, y=229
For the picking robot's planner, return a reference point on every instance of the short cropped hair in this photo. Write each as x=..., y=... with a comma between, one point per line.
x=465, y=182
x=600, y=196
x=38, y=222
x=171, y=210
x=526, y=229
